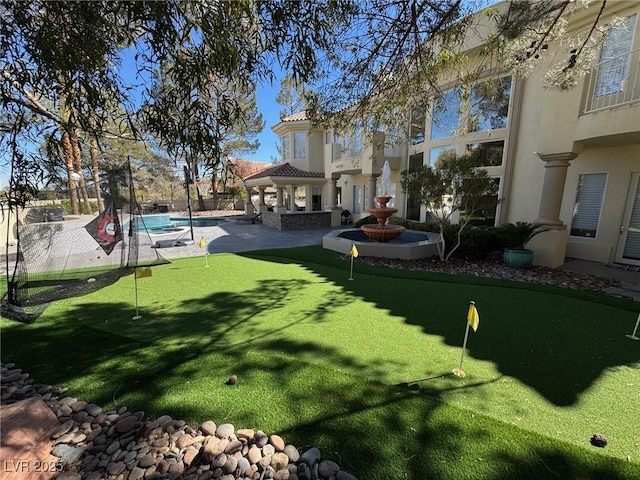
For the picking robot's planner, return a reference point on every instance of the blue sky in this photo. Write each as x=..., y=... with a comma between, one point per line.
x=266, y=97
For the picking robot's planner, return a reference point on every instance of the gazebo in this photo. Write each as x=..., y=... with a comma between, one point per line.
x=287, y=215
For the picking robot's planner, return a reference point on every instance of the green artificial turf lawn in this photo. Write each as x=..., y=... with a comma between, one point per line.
x=361, y=368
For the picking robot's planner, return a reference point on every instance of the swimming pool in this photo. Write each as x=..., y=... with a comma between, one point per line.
x=197, y=221
x=161, y=224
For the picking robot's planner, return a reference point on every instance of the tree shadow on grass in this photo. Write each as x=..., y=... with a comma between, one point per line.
x=176, y=361
x=372, y=430
x=557, y=344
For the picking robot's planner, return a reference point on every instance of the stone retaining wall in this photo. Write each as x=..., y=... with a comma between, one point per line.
x=296, y=220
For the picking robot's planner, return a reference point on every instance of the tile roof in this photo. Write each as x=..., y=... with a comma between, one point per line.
x=284, y=170
x=302, y=115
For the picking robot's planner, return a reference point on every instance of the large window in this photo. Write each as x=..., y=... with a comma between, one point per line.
x=446, y=114
x=614, y=59
x=357, y=199
x=418, y=118
x=299, y=145
x=436, y=155
x=486, y=216
x=413, y=204
x=357, y=139
x=489, y=105
x=586, y=212
x=488, y=154
x=286, y=148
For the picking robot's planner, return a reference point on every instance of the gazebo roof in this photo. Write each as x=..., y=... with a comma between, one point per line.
x=283, y=174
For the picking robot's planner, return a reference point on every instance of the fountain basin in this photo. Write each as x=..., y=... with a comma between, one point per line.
x=410, y=245
x=382, y=233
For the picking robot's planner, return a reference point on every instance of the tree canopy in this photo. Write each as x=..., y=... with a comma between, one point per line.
x=62, y=63
x=395, y=54
x=454, y=185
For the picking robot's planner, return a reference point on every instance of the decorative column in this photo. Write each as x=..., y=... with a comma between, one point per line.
x=332, y=194
x=248, y=206
x=550, y=246
x=371, y=193
x=308, y=198
x=332, y=203
x=262, y=207
x=555, y=174
x=280, y=200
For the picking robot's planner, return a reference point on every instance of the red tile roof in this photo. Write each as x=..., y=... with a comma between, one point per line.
x=284, y=170
x=302, y=115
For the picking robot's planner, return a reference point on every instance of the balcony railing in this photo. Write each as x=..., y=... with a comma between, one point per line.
x=613, y=83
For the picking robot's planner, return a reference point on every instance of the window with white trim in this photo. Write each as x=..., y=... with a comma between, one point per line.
x=489, y=105
x=436, y=155
x=299, y=145
x=416, y=127
x=488, y=154
x=357, y=199
x=614, y=58
x=445, y=119
x=357, y=139
x=586, y=211
x=285, y=147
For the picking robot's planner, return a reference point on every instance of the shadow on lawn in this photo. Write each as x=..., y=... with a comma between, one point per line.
x=559, y=345
x=375, y=431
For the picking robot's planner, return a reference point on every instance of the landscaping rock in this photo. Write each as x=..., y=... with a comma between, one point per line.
x=120, y=445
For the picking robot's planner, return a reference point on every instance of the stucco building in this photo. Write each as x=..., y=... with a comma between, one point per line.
x=567, y=159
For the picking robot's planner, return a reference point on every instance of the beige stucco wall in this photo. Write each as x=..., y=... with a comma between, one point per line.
x=619, y=163
x=542, y=122
x=528, y=170
x=315, y=151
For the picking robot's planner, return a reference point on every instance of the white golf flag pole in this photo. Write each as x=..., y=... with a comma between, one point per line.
x=633, y=336
x=139, y=272
x=473, y=320
x=137, y=315
x=202, y=243
x=354, y=253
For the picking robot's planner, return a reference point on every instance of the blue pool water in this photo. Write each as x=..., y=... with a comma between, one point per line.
x=168, y=224
x=197, y=222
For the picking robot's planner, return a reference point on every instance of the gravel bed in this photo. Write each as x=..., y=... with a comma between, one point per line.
x=494, y=268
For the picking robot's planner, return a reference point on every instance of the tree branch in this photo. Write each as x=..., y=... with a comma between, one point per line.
x=33, y=104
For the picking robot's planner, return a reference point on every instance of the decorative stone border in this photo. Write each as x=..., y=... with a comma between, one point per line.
x=93, y=444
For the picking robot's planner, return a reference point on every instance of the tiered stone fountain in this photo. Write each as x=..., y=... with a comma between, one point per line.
x=381, y=239
x=383, y=232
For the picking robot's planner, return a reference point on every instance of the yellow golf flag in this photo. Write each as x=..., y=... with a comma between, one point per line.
x=473, y=319
x=354, y=251
x=142, y=272
x=202, y=243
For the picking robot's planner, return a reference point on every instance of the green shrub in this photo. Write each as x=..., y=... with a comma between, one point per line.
x=365, y=220
x=477, y=242
x=67, y=205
